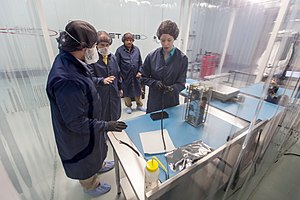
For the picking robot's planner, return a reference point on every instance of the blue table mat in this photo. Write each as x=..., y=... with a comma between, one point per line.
x=214, y=132
x=246, y=110
x=256, y=90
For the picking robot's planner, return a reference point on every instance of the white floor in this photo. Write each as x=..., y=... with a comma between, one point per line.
x=282, y=180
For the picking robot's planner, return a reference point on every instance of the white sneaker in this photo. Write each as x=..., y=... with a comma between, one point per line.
x=128, y=110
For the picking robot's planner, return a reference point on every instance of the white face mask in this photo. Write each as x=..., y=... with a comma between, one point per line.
x=91, y=56
x=104, y=51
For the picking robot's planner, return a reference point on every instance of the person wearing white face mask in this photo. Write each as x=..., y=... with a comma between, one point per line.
x=77, y=120
x=107, y=71
x=91, y=55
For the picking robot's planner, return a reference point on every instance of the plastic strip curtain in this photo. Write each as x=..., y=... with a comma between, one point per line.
x=27, y=150
x=282, y=131
x=210, y=28
x=239, y=167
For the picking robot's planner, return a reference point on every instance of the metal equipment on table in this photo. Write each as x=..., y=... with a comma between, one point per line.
x=224, y=92
x=199, y=96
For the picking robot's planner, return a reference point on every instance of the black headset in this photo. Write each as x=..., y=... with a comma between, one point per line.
x=123, y=37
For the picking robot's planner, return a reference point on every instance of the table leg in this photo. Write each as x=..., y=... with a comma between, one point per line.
x=117, y=171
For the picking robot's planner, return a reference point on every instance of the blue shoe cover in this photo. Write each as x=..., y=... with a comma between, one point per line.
x=128, y=110
x=108, y=165
x=101, y=189
x=140, y=108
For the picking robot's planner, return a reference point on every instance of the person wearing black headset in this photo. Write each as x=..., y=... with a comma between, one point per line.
x=77, y=119
x=130, y=61
x=164, y=70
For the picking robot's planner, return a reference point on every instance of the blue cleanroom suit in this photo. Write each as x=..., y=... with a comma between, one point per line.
x=130, y=63
x=110, y=94
x=171, y=73
x=76, y=117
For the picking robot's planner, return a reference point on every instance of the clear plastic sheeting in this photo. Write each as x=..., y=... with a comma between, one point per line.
x=185, y=156
x=198, y=103
x=230, y=41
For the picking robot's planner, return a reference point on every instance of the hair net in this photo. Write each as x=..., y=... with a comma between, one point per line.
x=77, y=35
x=127, y=36
x=168, y=27
x=103, y=36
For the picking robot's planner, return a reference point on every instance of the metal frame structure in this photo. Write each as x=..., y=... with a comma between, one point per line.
x=133, y=165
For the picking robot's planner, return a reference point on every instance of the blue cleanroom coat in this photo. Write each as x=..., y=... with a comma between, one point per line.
x=130, y=63
x=76, y=117
x=110, y=94
x=172, y=73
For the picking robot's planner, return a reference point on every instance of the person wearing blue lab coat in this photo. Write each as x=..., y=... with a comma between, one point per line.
x=76, y=115
x=164, y=70
x=130, y=61
x=107, y=70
